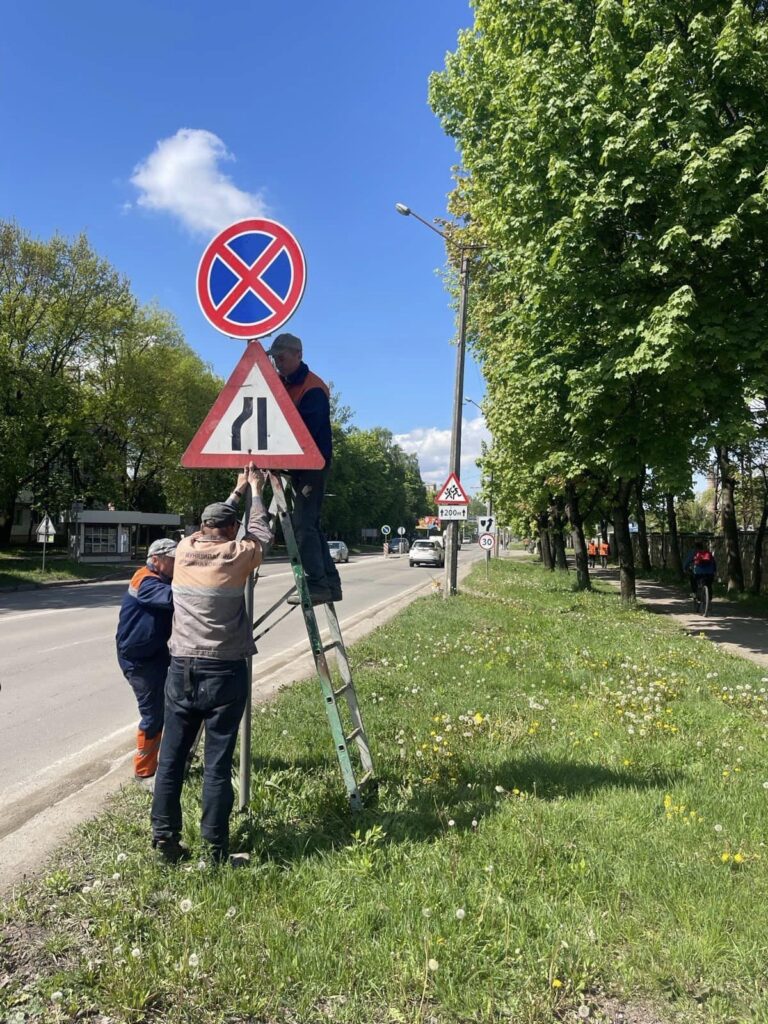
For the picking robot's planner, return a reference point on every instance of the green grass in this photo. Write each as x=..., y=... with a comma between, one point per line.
x=20, y=566
x=586, y=785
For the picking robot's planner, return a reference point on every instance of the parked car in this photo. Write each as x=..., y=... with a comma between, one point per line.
x=339, y=550
x=426, y=552
x=399, y=546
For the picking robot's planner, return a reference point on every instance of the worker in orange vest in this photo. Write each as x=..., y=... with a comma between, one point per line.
x=604, y=550
x=591, y=553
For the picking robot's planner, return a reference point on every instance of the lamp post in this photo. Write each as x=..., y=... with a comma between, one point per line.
x=452, y=531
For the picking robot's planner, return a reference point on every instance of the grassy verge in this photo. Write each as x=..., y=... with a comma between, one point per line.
x=22, y=567
x=571, y=824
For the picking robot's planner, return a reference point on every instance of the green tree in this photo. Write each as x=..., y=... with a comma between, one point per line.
x=614, y=159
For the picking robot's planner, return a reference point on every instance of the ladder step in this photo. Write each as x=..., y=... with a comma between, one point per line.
x=354, y=734
x=366, y=778
x=330, y=646
x=341, y=690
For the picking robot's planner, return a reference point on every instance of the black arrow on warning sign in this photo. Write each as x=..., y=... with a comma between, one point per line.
x=261, y=424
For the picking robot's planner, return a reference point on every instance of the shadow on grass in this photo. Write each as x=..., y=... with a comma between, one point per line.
x=423, y=811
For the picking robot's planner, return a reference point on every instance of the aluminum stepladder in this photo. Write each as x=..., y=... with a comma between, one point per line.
x=347, y=743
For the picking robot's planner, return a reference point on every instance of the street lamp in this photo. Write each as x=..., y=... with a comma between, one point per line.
x=452, y=532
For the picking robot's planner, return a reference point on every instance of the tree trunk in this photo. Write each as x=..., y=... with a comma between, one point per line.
x=757, y=559
x=7, y=527
x=674, y=539
x=642, y=530
x=735, y=570
x=546, y=551
x=561, y=561
x=577, y=533
x=624, y=540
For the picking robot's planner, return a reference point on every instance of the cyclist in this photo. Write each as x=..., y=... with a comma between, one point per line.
x=701, y=567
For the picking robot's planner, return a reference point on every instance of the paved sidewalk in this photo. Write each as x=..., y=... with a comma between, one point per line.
x=740, y=632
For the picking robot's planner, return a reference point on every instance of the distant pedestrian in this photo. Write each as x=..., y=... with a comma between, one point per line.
x=208, y=678
x=604, y=550
x=591, y=553
x=143, y=631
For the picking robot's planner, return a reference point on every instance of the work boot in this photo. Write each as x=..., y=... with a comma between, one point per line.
x=146, y=782
x=170, y=851
x=318, y=595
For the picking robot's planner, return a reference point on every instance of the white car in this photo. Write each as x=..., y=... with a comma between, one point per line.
x=426, y=552
x=339, y=550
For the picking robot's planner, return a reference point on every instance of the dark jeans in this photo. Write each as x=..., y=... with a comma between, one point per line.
x=707, y=578
x=147, y=679
x=309, y=490
x=197, y=691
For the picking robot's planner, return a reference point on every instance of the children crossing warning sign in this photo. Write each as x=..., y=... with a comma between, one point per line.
x=253, y=420
x=452, y=493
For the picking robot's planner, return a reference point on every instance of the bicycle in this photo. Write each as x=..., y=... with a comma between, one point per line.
x=703, y=597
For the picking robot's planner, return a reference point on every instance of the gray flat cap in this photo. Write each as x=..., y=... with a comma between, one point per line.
x=285, y=342
x=219, y=513
x=166, y=547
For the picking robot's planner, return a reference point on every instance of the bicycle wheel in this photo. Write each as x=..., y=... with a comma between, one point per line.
x=705, y=600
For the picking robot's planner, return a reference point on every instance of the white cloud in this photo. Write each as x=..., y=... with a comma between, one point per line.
x=182, y=176
x=433, y=449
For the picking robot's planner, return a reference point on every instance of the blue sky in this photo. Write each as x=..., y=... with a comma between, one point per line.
x=147, y=125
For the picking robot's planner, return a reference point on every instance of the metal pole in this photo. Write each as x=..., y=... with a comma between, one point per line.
x=45, y=538
x=452, y=533
x=245, y=721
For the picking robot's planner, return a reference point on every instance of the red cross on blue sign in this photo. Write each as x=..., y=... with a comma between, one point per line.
x=251, y=278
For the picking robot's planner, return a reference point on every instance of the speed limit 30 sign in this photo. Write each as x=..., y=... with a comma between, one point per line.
x=486, y=541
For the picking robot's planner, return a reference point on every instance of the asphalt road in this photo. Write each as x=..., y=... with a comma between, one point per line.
x=65, y=708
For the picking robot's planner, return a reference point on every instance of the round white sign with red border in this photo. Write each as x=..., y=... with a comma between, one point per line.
x=486, y=541
x=251, y=278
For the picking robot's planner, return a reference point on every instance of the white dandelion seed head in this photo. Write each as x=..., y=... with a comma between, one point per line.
x=116, y=876
x=121, y=857
x=432, y=964
x=194, y=960
x=718, y=828
x=185, y=906
x=461, y=914
x=136, y=953
x=426, y=912
x=231, y=911
x=57, y=996
x=451, y=822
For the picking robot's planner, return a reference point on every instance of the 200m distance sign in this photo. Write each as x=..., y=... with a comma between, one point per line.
x=251, y=278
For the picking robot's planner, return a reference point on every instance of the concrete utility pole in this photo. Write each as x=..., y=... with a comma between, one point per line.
x=452, y=529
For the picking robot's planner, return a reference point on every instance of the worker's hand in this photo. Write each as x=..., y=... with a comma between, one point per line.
x=255, y=478
x=242, y=482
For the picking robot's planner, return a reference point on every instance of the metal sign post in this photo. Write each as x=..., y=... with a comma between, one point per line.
x=245, y=721
x=45, y=535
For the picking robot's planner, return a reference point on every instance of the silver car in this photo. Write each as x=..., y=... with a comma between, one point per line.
x=339, y=550
x=426, y=552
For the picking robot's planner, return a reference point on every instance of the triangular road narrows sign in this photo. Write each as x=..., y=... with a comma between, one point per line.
x=452, y=493
x=253, y=420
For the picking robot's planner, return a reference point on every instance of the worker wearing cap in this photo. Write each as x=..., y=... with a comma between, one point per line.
x=311, y=397
x=208, y=678
x=143, y=630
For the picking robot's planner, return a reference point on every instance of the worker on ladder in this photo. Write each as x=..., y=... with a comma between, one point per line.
x=311, y=397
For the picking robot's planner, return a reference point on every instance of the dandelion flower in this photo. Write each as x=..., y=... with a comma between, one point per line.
x=136, y=953
x=185, y=906
x=725, y=857
x=583, y=1011
x=194, y=960
x=116, y=876
x=451, y=822
x=474, y=823
x=738, y=858
x=432, y=965
x=556, y=983
x=57, y=996
x=461, y=914
x=499, y=789
x=121, y=857
x=718, y=828
x=231, y=911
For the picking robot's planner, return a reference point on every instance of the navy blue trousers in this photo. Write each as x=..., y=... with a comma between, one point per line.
x=147, y=679
x=308, y=493
x=199, y=691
